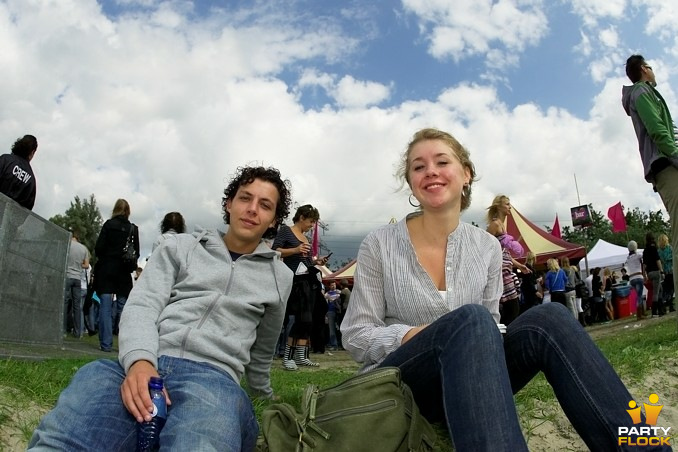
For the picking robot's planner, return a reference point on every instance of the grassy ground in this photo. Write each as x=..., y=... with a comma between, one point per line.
x=646, y=357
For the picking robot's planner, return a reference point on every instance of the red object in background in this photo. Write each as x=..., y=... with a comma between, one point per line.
x=622, y=307
x=616, y=216
x=623, y=301
x=556, y=228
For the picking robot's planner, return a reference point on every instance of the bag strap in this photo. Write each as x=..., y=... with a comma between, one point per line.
x=131, y=229
x=416, y=435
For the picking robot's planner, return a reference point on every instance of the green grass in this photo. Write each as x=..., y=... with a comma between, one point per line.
x=635, y=353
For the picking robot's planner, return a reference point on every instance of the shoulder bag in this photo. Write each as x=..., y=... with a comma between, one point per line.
x=374, y=411
x=129, y=253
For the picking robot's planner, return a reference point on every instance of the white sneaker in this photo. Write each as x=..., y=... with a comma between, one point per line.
x=289, y=364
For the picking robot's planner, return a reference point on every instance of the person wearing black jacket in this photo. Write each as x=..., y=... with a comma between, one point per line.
x=16, y=175
x=113, y=274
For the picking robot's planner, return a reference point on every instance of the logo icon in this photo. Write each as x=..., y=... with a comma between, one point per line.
x=651, y=411
x=648, y=434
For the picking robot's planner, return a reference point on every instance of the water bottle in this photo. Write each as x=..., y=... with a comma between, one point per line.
x=148, y=432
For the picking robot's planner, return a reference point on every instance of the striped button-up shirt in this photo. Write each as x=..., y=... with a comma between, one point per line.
x=392, y=292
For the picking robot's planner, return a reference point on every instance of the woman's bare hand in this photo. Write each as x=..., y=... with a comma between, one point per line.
x=413, y=332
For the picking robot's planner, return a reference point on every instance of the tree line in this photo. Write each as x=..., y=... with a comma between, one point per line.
x=638, y=224
x=85, y=216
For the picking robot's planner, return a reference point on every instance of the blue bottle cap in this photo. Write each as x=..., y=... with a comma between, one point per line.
x=155, y=383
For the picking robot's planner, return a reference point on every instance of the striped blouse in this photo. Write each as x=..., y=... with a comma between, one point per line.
x=393, y=293
x=285, y=239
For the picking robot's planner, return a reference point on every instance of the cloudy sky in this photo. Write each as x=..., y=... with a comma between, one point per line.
x=158, y=102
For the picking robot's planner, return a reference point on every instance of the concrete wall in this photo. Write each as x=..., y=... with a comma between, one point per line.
x=33, y=255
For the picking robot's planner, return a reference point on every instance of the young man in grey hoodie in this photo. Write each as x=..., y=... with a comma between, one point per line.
x=207, y=311
x=656, y=140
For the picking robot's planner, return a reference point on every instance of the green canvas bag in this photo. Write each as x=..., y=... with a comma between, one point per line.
x=374, y=411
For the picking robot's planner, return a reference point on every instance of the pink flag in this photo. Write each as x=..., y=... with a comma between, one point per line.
x=616, y=216
x=555, y=231
x=315, y=241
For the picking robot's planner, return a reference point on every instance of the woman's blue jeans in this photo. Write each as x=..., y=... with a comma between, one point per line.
x=460, y=371
x=108, y=312
x=638, y=284
x=209, y=411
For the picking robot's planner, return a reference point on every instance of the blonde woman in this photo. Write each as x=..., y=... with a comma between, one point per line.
x=426, y=300
x=510, y=298
x=555, y=281
x=496, y=216
x=113, y=276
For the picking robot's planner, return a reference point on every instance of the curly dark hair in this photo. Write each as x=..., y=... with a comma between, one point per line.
x=24, y=146
x=307, y=211
x=173, y=220
x=246, y=175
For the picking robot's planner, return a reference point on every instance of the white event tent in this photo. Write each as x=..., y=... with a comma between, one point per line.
x=605, y=254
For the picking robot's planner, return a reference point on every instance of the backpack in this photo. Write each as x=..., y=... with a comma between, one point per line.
x=374, y=411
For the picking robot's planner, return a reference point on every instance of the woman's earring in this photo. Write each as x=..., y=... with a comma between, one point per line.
x=465, y=190
x=411, y=203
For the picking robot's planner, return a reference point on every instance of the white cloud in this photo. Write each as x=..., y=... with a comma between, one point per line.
x=592, y=11
x=347, y=91
x=460, y=29
x=353, y=93
x=663, y=18
x=609, y=37
x=160, y=107
x=584, y=47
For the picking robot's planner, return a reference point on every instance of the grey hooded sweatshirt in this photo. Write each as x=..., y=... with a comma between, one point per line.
x=194, y=302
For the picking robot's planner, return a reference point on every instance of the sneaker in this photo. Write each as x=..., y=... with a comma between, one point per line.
x=306, y=362
x=289, y=364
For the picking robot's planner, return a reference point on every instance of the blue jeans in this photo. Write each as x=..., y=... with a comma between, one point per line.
x=73, y=306
x=120, y=302
x=638, y=284
x=108, y=311
x=460, y=371
x=332, y=324
x=209, y=411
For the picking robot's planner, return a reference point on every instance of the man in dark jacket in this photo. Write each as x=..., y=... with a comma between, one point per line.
x=16, y=175
x=656, y=139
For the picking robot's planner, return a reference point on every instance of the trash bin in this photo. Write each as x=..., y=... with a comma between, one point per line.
x=621, y=301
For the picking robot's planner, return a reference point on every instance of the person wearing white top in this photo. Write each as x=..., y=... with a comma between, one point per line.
x=636, y=270
x=426, y=300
